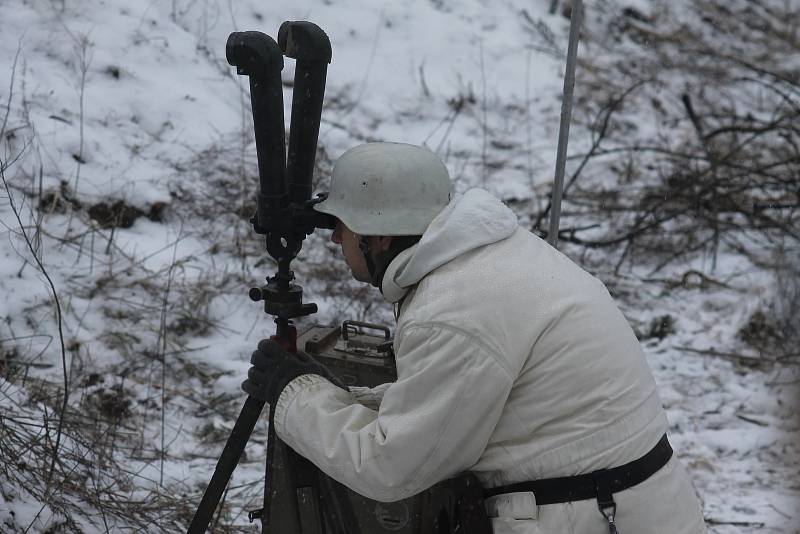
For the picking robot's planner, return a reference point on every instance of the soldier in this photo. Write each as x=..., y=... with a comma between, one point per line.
x=513, y=363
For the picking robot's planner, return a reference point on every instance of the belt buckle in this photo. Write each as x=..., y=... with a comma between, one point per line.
x=605, y=501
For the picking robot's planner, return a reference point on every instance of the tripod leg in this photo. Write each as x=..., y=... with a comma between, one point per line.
x=226, y=464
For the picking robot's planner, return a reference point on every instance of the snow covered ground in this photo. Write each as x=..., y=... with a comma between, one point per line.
x=134, y=183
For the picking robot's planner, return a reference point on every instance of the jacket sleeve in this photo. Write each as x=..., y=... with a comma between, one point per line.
x=369, y=397
x=433, y=423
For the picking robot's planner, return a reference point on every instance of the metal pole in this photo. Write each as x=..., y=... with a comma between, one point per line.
x=566, y=115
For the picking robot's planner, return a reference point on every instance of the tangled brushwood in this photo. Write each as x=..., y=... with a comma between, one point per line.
x=88, y=474
x=719, y=171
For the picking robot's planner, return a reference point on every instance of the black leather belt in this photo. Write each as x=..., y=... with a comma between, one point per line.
x=598, y=485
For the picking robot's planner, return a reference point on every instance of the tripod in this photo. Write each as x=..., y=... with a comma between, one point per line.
x=284, y=215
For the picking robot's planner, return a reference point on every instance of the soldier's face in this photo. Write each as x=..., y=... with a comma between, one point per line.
x=349, y=242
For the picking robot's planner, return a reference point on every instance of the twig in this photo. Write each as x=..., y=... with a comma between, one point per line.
x=756, y=524
x=29, y=243
x=714, y=159
x=162, y=334
x=426, y=92
x=528, y=128
x=363, y=85
x=751, y=420
x=739, y=358
x=598, y=136
x=219, y=509
x=484, y=125
x=450, y=123
x=82, y=45
x=10, y=91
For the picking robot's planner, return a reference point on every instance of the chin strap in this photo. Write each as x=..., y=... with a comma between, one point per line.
x=378, y=263
x=375, y=276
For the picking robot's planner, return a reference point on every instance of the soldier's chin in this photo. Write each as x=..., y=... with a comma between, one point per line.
x=360, y=276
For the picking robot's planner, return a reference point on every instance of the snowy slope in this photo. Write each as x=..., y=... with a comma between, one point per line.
x=133, y=103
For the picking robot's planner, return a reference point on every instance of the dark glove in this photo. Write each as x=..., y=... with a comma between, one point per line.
x=274, y=367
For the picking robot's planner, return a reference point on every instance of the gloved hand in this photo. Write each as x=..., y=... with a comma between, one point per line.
x=274, y=367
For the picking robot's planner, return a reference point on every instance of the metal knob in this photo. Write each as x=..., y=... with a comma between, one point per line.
x=256, y=294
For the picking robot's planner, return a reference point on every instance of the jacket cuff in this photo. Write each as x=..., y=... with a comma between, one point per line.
x=290, y=393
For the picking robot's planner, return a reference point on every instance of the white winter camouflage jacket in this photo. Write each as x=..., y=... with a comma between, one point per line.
x=512, y=362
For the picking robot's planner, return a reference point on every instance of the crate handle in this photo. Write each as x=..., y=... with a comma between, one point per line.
x=353, y=326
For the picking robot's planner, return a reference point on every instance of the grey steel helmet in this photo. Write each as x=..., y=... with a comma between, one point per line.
x=387, y=189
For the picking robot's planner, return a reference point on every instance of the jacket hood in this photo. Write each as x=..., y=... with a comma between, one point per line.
x=470, y=221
